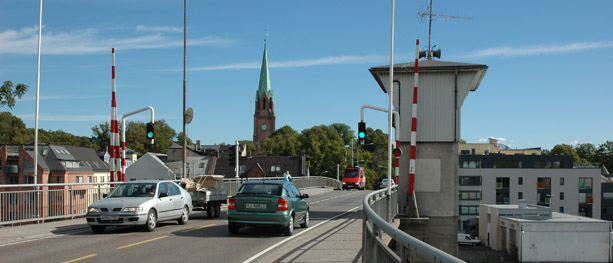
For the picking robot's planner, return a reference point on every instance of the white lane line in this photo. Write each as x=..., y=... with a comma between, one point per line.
x=43, y=237
x=297, y=235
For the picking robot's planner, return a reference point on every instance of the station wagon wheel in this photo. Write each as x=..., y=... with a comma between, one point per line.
x=289, y=229
x=305, y=224
x=233, y=228
x=184, y=216
x=152, y=221
x=98, y=229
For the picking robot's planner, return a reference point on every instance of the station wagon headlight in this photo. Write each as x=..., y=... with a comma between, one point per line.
x=93, y=210
x=132, y=209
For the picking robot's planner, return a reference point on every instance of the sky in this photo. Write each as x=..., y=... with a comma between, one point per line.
x=549, y=79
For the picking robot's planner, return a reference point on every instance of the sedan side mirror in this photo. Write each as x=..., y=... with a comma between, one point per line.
x=163, y=195
x=305, y=196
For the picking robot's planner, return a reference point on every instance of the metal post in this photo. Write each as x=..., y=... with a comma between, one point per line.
x=123, y=134
x=237, y=158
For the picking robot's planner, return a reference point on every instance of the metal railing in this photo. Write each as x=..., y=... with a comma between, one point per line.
x=37, y=203
x=376, y=231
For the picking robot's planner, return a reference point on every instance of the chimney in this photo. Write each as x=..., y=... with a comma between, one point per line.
x=493, y=141
x=521, y=203
x=197, y=144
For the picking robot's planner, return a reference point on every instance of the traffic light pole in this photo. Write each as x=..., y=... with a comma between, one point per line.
x=123, y=136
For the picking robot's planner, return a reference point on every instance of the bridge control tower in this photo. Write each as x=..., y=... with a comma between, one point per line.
x=442, y=89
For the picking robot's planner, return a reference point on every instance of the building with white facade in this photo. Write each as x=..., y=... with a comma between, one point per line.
x=535, y=234
x=545, y=180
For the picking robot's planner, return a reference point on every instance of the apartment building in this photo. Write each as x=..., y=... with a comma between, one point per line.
x=545, y=180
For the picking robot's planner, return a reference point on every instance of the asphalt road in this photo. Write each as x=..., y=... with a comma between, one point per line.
x=200, y=240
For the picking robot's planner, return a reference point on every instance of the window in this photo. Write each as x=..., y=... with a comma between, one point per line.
x=470, y=180
x=471, y=164
x=469, y=210
x=520, y=180
x=582, y=198
x=201, y=165
x=542, y=164
x=502, y=191
x=561, y=195
x=561, y=209
x=27, y=166
x=28, y=179
x=607, y=195
x=516, y=164
x=465, y=152
x=89, y=179
x=470, y=195
x=561, y=180
x=13, y=179
x=502, y=182
x=543, y=183
x=275, y=168
x=520, y=195
x=585, y=183
x=79, y=179
x=502, y=164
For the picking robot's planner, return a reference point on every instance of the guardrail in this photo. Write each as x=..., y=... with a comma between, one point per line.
x=37, y=203
x=374, y=248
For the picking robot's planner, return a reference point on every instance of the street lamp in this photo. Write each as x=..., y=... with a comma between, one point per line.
x=350, y=146
x=322, y=173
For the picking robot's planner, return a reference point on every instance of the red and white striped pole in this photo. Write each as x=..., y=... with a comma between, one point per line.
x=115, y=175
x=414, y=123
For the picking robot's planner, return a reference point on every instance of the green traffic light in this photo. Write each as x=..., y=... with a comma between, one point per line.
x=361, y=135
x=150, y=135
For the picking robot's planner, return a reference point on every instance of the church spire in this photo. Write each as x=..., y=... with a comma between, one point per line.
x=264, y=88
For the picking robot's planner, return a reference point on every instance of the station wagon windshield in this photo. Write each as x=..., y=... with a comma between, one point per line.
x=134, y=190
x=352, y=174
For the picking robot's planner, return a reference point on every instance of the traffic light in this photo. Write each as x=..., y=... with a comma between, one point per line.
x=150, y=134
x=232, y=156
x=361, y=131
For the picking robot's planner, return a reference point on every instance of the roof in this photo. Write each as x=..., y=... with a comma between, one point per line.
x=426, y=66
x=264, y=88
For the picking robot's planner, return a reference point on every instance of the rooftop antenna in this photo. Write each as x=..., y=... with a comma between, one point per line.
x=429, y=15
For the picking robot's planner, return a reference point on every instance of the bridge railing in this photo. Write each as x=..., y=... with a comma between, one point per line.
x=377, y=232
x=37, y=203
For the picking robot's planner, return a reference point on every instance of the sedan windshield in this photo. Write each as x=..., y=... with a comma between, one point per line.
x=134, y=190
x=264, y=189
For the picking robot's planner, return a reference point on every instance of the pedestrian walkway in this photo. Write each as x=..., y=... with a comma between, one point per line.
x=336, y=240
x=18, y=234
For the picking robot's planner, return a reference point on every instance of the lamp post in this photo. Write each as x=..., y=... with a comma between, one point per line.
x=347, y=146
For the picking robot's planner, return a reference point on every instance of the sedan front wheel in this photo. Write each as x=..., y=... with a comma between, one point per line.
x=152, y=221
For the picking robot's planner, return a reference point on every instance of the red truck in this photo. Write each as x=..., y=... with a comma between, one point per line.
x=354, y=178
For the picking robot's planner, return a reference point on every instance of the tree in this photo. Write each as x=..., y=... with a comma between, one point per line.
x=179, y=139
x=8, y=93
x=283, y=142
x=604, y=155
x=566, y=149
x=136, y=140
x=323, y=148
x=102, y=136
x=586, y=151
x=345, y=132
x=12, y=129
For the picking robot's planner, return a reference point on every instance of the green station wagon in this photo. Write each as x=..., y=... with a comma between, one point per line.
x=268, y=203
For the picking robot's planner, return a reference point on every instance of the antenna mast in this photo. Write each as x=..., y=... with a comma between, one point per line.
x=429, y=14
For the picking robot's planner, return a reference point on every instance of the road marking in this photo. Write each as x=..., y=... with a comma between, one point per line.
x=196, y=228
x=297, y=235
x=81, y=258
x=44, y=237
x=142, y=242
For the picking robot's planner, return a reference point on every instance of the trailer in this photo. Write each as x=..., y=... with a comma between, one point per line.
x=207, y=193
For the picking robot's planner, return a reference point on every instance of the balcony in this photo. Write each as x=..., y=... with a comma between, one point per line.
x=11, y=169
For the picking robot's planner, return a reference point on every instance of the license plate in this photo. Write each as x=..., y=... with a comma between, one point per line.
x=109, y=217
x=259, y=206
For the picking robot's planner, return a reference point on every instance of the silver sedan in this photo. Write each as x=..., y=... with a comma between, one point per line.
x=143, y=203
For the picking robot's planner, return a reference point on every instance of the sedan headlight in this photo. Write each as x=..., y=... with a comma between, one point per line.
x=132, y=209
x=93, y=210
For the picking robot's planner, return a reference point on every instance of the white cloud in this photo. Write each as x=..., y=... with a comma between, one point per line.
x=67, y=118
x=299, y=63
x=500, y=139
x=542, y=49
x=62, y=97
x=159, y=29
x=89, y=41
x=574, y=143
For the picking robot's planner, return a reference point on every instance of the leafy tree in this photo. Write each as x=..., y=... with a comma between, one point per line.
x=586, y=151
x=323, y=148
x=8, y=92
x=346, y=133
x=12, y=129
x=179, y=139
x=101, y=137
x=136, y=140
x=566, y=149
x=283, y=142
x=604, y=155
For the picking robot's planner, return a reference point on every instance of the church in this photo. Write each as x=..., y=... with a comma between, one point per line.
x=264, y=116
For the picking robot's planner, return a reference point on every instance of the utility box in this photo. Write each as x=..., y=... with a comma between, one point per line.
x=442, y=89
